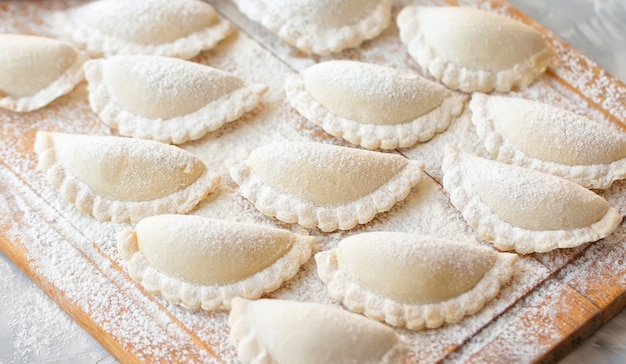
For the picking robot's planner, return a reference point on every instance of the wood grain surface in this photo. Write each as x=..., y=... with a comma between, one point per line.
x=554, y=302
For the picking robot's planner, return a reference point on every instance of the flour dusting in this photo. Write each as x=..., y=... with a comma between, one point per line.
x=76, y=255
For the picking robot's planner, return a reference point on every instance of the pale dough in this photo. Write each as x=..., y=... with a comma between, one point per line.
x=320, y=26
x=411, y=280
x=279, y=331
x=172, y=28
x=166, y=99
x=546, y=138
x=200, y=262
x=36, y=70
x=524, y=210
x=122, y=179
x=372, y=106
x=471, y=49
x=324, y=186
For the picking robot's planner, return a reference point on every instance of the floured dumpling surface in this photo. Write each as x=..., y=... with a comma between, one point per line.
x=36, y=70
x=166, y=99
x=322, y=185
x=172, y=28
x=122, y=179
x=472, y=49
x=320, y=26
x=524, y=210
x=549, y=139
x=199, y=262
x=279, y=331
x=411, y=280
x=371, y=105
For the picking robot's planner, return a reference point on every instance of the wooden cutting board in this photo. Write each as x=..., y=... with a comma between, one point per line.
x=554, y=302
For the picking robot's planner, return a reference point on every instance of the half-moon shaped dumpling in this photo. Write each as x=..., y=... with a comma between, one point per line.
x=322, y=185
x=411, y=280
x=471, y=49
x=549, y=139
x=166, y=99
x=122, y=179
x=172, y=28
x=372, y=106
x=524, y=210
x=320, y=26
x=36, y=70
x=199, y=262
x=279, y=331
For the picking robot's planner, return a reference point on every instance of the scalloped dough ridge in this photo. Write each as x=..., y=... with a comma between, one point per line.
x=217, y=261
x=524, y=210
x=171, y=28
x=459, y=47
x=36, y=71
x=549, y=139
x=320, y=26
x=181, y=182
x=413, y=281
x=340, y=204
x=279, y=331
x=175, y=100
x=435, y=105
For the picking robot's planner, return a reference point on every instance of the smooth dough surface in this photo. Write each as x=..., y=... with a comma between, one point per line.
x=36, y=70
x=172, y=28
x=279, y=331
x=471, y=49
x=411, y=280
x=372, y=106
x=200, y=262
x=122, y=179
x=549, y=139
x=166, y=99
x=320, y=26
x=322, y=185
x=524, y=210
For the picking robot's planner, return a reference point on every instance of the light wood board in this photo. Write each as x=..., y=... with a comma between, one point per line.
x=555, y=301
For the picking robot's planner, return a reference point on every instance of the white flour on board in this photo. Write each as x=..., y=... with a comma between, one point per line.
x=78, y=255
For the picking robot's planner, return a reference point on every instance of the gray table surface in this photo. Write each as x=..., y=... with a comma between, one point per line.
x=40, y=332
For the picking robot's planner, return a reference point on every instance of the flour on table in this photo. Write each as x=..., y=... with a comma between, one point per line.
x=77, y=255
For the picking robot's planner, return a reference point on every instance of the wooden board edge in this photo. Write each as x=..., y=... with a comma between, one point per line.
x=17, y=252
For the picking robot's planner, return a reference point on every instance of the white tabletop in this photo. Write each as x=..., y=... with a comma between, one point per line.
x=597, y=28
x=33, y=329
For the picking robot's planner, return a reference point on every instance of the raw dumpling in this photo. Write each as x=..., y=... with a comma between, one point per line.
x=549, y=139
x=471, y=49
x=35, y=71
x=411, y=280
x=524, y=210
x=166, y=99
x=122, y=179
x=320, y=26
x=199, y=262
x=322, y=185
x=372, y=106
x=172, y=28
x=277, y=331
